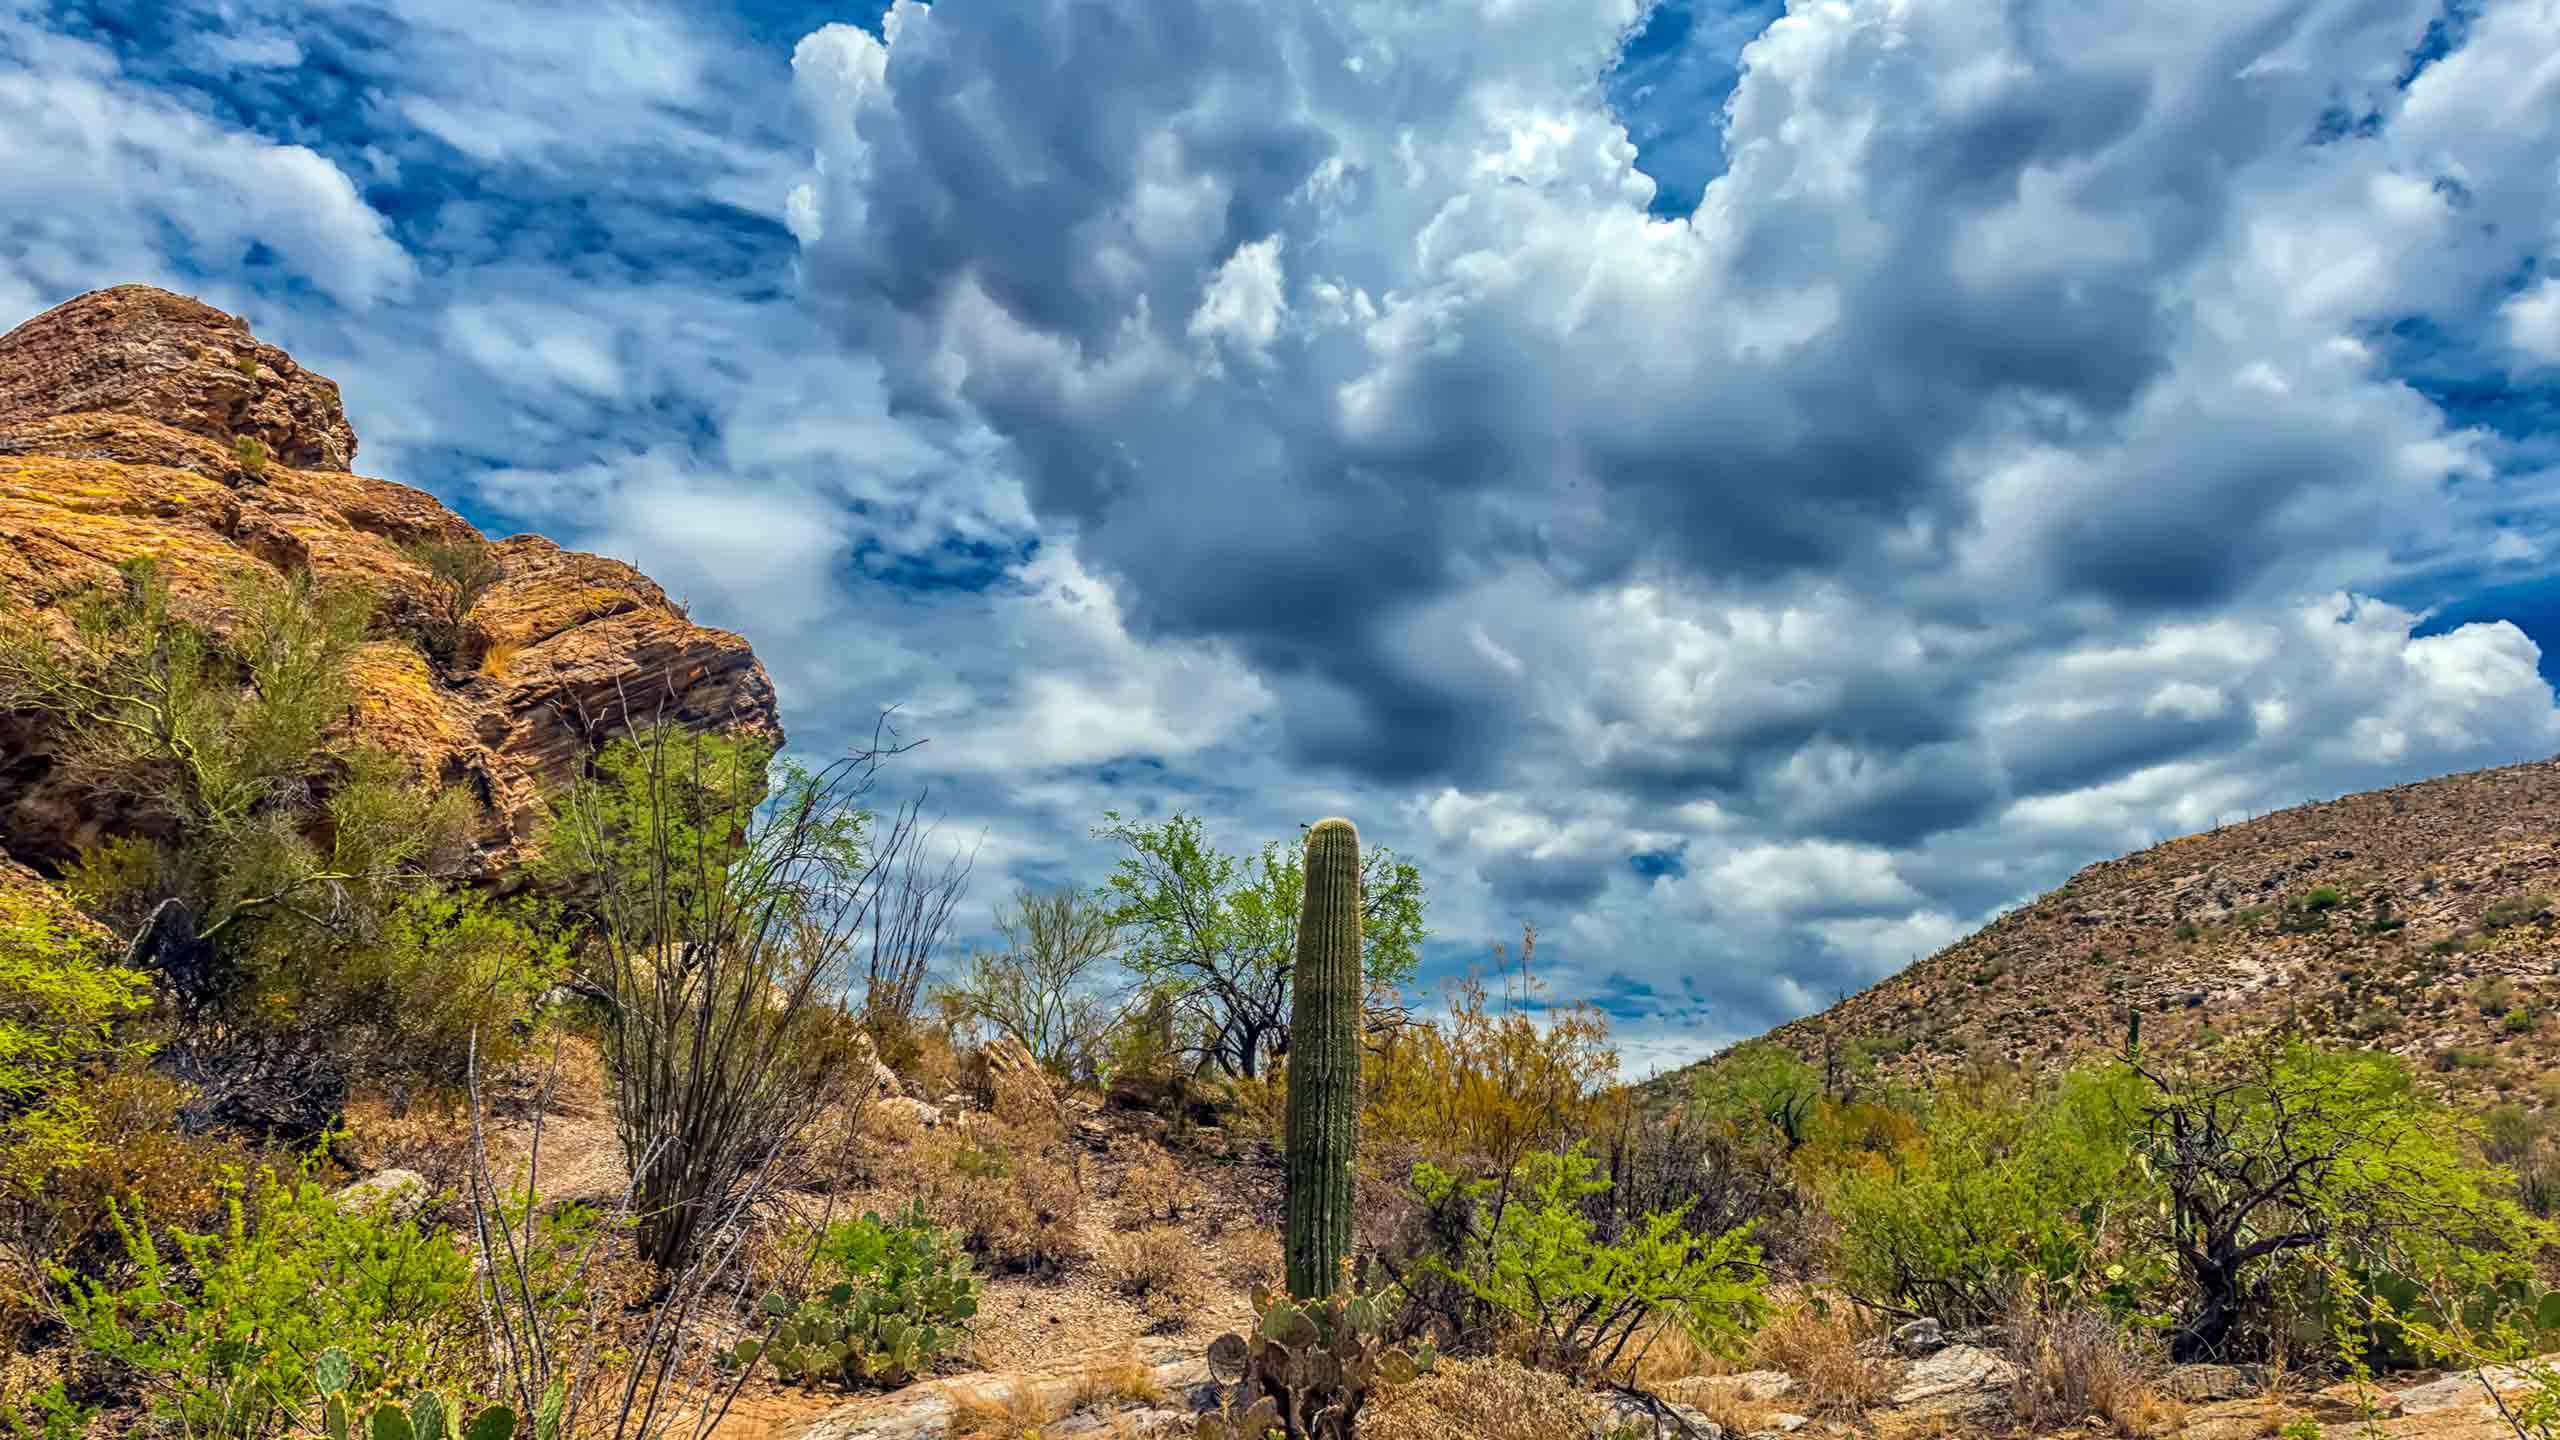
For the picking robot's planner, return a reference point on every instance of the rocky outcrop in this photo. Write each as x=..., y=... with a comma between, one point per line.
x=123, y=417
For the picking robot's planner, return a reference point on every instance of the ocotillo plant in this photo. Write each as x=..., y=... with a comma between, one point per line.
x=1324, y=1062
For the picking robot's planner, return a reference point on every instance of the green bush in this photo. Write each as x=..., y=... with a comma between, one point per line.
x=1524, y=1246
x=221, y=1328
x=902, y=1296
x=1999, y=1191
x=62, y=1006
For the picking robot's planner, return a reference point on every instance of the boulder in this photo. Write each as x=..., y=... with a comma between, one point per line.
x=1919, y=1337
x=1956, y=1380
x=398, y=1194
x=899, y=1108
x=122, y=420
x=2470, y=1387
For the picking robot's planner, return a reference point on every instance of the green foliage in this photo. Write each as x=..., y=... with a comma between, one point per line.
x=1306, y=1371
x=448, y=965
x=2516, y=910
x=277, y=837
x=62, y=1004
x=1759, y=1088
x=249, y=453
x=727, y=914
x=1998, y=1190
x=1220, y=930
x=222, y=1328
x=1324, y=1063
x=902, y=1296
x=1043, y=985
x=463, y=572
x=1524, y=1245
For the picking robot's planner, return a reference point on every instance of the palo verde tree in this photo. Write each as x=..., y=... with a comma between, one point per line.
x=1219, y=932
x=1043, y=985
x=222, y=748
x=269, y=866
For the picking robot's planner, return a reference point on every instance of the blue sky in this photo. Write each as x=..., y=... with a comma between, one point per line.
x=1752, y=492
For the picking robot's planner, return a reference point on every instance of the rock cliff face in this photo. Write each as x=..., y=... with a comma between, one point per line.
x=123, y=417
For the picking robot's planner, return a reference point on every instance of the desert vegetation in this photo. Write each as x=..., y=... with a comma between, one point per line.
x=689, y=1125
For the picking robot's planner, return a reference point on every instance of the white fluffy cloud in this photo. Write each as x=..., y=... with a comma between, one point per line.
x=96, y=167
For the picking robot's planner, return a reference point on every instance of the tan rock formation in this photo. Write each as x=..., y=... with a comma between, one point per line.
x=121, y=414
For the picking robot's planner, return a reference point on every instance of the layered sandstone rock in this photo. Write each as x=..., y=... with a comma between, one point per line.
x=121, y=420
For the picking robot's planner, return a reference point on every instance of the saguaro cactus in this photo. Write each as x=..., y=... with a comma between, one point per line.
x=1324, y=1062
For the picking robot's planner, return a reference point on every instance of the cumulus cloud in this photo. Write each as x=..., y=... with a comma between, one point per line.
x=1995, y=459
x=96, y=169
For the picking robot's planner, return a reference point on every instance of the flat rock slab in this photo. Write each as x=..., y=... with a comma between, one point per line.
x=1957, y=1379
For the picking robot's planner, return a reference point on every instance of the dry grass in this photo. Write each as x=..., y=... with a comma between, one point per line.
x=1022, y=1411
x=1011, y=1188
x=1818, y=1345
x=1153, y=1189
x=1666, y=1353
x=499, y=657
x=1488, y=1399
x=1737, y=1410
x=1159, y=1267
x=2076, y=1364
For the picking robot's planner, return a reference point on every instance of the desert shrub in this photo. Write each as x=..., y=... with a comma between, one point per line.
x=727, y=918
x=1009, y=1188
x=1250, y=1258
x=2075, y=1363
x=462, y=571
x=1044, y=986
x=2000, y=1190
x=1498, y=1077
x=2492, y=996
x=61, y=1221
x=64, y=1013
x=1727, y=1172
x=220, y=1327
x=1160, y=1267
x=247, y=451
x=265, y=851
x=1486, y=1399
x=1521, y=1249
x=1153, y=1188
x=2516, y=910
x=898, y=1295
x=2351, y=1177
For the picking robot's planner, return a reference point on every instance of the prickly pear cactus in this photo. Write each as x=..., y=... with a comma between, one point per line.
x=427, y=1416
x=914, y=1296
x=1324, y=1062
x=1307, y=1370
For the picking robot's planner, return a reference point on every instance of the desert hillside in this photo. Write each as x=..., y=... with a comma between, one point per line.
x=2416, y=919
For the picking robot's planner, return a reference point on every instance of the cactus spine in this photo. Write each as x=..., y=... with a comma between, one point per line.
x=1324, y=1062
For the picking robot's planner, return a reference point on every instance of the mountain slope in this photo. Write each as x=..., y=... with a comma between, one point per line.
x=2417, y=919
